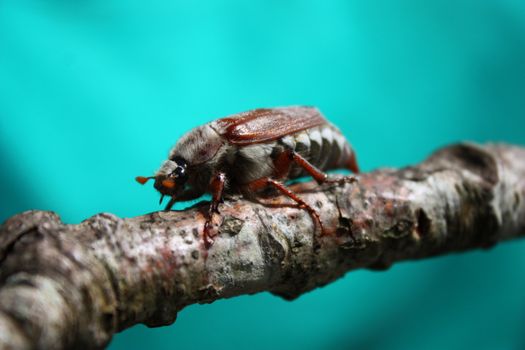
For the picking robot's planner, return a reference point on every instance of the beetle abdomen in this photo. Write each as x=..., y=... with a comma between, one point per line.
x=323, y=146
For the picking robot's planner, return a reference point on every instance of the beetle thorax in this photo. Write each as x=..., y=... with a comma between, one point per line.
x=202, y=149
x=200, y=145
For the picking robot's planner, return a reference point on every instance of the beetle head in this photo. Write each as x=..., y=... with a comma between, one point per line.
x=171, y=177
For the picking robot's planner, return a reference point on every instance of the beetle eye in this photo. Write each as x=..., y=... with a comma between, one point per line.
x=179, y=174
x=179, y=171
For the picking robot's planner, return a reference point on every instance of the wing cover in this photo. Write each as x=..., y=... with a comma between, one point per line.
x=267, y=124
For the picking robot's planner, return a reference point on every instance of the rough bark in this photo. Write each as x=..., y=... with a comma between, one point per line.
x=74, y=286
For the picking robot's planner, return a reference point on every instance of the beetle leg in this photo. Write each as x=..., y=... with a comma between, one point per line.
x=216, y=189
x=170, y=203
x=264, y=182
x=318, y=175
x=282, y=164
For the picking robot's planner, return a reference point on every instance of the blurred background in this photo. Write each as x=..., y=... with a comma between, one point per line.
x=95, y=92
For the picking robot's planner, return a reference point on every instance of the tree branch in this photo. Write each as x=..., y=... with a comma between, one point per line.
x=65, y=286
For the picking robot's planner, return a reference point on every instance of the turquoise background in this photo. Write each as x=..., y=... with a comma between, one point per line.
x=95, y=92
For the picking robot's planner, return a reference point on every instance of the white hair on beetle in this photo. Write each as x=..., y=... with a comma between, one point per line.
x=167, y=167
x=258, y=161
x=199, y=145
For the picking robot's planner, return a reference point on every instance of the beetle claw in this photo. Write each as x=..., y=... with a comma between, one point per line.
x=170, y=203
x=207, y=234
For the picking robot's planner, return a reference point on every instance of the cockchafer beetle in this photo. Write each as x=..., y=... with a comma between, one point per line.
x=251, y=151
